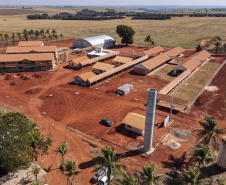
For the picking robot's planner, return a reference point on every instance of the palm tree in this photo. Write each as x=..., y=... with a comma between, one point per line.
x=19, y=36
x=1, y=36
x=70, y=170
x=36, y=33
x=61, y=35
x=217, y=44
x=201, y=154
x=191, y=176
x=53, y=31
x=6, y=36
x=42, y=33
x=147, y=39
x=47, y=32
x=62, y=150
x=37, y=183
x=148, y=173
x=35, y=171
x=31, y=32
x=128, y=179
x=109, y=160
x=209, y=131
x=25, y=34
x=13, y=38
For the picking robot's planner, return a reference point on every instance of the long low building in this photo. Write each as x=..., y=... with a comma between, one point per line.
x=202, y=56
x=154, y=50
x=175, y=51
x=151, y=64
x=31, y=49
x=101, y=67
x=81, y=79
x=30, y=43
x=26, y=62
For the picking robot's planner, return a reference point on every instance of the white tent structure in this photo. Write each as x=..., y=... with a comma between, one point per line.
x=103, y=41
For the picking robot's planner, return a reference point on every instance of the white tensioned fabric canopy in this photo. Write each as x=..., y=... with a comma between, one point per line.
x=95, y=40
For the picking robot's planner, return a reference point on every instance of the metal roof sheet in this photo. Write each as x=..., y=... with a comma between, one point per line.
x=99, y=39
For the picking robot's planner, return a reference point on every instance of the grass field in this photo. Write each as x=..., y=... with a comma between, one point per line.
x=195, y=83
x=165, y=72
x=186, y=31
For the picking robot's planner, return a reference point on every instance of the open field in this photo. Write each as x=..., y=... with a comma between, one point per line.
x=186, y=31
x=196, y=82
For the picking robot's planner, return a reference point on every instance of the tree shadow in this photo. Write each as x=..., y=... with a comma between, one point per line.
x=177, y=163
x=209, y=171
x=87, y=164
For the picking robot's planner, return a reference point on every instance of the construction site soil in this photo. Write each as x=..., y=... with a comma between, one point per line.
x=72, y=113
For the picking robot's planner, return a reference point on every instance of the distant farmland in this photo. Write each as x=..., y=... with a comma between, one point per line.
x=184, y=31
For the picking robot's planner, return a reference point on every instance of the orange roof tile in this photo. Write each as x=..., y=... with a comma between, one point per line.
x=175, y=51
x=174, y=82
x=87, y=75
x=21, y=57
x=154, y=50
x=80, y=59
x=135, y=120
x=32, y=49
x=103, y=66
x=155, y=62
x=191, y=64
x=121, y=59
x=202, y=55
x=30, y=43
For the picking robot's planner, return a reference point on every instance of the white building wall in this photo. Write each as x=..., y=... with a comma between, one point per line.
x=135, y=130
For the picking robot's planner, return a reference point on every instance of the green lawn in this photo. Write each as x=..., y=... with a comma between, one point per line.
x=195, y=83
x=165, y=72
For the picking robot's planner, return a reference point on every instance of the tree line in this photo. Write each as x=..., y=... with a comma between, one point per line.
x=30, y=35
x=207, y=15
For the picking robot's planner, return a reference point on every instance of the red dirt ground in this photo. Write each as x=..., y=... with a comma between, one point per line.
x=50, y=100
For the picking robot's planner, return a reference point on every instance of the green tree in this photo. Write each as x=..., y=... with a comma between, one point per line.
x=126, y=33
x=35, y=172
x=201, y=154
x=19, y=36
x=70, y=170
x=109, y=160
x=217, y=45
x=42, y=33
x=39, y=144
x=1, y=36
x=53, y=31
x=14, y=142
x=32, y=32
x=36, y=33
x=191, y=176
x=55, y=35
x=210, y=132
x=61, y=35
x=62, y=150
x=37, y=183
x=13, y=38
x=47, y=32
x=149, y=40
x=198, y=48
x=148, y=173
x=128, y=179
x=25, y=34
x=6, y=37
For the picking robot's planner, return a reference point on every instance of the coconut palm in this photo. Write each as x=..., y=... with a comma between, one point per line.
x=149, y=40
x=35, y=171
x=37, y=183
x=47, y=32
x=62, y=150
x=13, y=38
x=61, y=35
x=191, y=177
x=201, y=154
x=209, y=131
x=25, y=34
x=128, y=179
x=36, y=33
x=42, y=32
x=19, y=36
x=148, y=173
x=1, y=36
x=6, y=37
x=53, y=31
x=217, y=45
x=70, y=170
x=109, y=160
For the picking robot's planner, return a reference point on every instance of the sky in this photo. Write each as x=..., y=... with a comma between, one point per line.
x=113, y=2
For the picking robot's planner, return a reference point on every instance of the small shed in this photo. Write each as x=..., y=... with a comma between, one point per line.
x=135, y=123
x=124, y=89
x=101, y=67
x=81, y=79
x=119, y=60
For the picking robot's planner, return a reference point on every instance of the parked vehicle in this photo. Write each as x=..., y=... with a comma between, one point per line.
x=104, y=180
x=106, y=122
x=100, y=174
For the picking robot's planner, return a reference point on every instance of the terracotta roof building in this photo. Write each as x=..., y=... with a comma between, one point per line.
x=190, y=64
x=175, y=51
x=32, y=49
x=101, y=67
x=151, y=64
x=75, y=63
x=26, y=62
x=81, y=79
x=154, y=50
x=134, y=122
x=30, y=43
x=119, y=60
x=202, y=55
